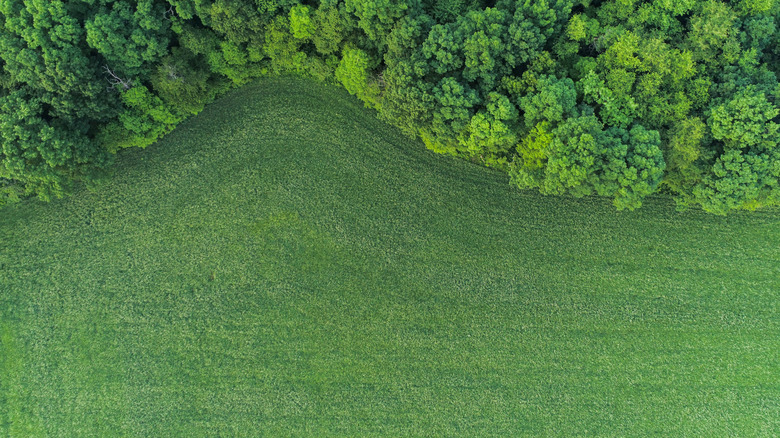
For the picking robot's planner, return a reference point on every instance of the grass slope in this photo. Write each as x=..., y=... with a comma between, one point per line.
x=286, y=265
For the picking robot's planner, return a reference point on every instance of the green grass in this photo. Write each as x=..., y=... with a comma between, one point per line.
x=284, y=264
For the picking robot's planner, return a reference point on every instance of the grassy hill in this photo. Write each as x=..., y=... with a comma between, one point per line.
x=285, y=264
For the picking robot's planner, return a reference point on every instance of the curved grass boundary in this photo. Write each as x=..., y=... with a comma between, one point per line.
x=284, y=264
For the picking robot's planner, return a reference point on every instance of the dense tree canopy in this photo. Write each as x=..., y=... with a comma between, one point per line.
x=618, y=98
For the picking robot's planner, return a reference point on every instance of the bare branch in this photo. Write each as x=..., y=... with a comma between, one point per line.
x=115, y=80
x=172, y=73
x=169, y=13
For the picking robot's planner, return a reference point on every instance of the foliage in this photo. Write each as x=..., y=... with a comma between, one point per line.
x=580, y=158
x=747, y=173
x=491, y=132
x=354, y=73
x=553, y=100
x=495, y=82
x=129, y=40
x=301, y=24
x=40, y=154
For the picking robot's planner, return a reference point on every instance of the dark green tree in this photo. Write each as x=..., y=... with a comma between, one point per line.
x=747, y=173
x=43, y=155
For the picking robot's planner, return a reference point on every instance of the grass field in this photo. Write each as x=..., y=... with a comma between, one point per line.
x=284, y=264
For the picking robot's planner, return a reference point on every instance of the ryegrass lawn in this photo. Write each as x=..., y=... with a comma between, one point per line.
x=285, y=264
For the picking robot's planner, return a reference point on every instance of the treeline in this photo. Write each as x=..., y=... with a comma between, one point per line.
x=620, y=98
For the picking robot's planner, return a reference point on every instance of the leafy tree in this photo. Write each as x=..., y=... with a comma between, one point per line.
x=609, y=97
x=745, y=121
x=377, y=17
x=684, y=149
x=42, y=155
x=183, y=83
x=238, y=20
x=642, y=167
x=548, y=16
x=492, y=132
x=527, y=168
x=755, y=7
x=712, y=36
x=454, y=104
x=301, y=23
x=553, y=101
x=145, y=119
x=641, y=79
x=747, y=173
x=573, y=157
x=740, y=180
x=129, y=40
x=354, y=73
x=615, y=108
x=444, y=11
x=580, y=158
x=42, y=46
x=485, y=54
x=407, y=99
x=582, y=28
x=332, y=26
x=757, y=33
x=482, y=46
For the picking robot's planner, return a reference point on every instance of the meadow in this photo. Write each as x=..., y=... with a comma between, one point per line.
x=286, y=264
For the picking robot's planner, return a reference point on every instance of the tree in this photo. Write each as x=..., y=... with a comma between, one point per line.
x=453, y=109
x=354, y=73
x=183, y=82
x=712, y=35
x=492, y=131
x=745, y=121
x=747, y=173
x=283, y=48
x=41, y=154
x=685, y=148
x=129, y=38
x=573, y=157
x=553, y=101
x=376, y=18
x=301, y=23
x=580, y=158
x=482, y=46
x=145, y=119
x=641, y=79
x=332, y=26
x=642, y=167
x=43, y=46
x=740, y=180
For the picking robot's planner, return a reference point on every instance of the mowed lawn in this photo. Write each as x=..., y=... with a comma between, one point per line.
x=285, y=264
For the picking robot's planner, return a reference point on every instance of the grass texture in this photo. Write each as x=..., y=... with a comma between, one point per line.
x=285, y=264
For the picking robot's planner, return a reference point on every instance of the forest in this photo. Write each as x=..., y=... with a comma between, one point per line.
x=616, y=98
